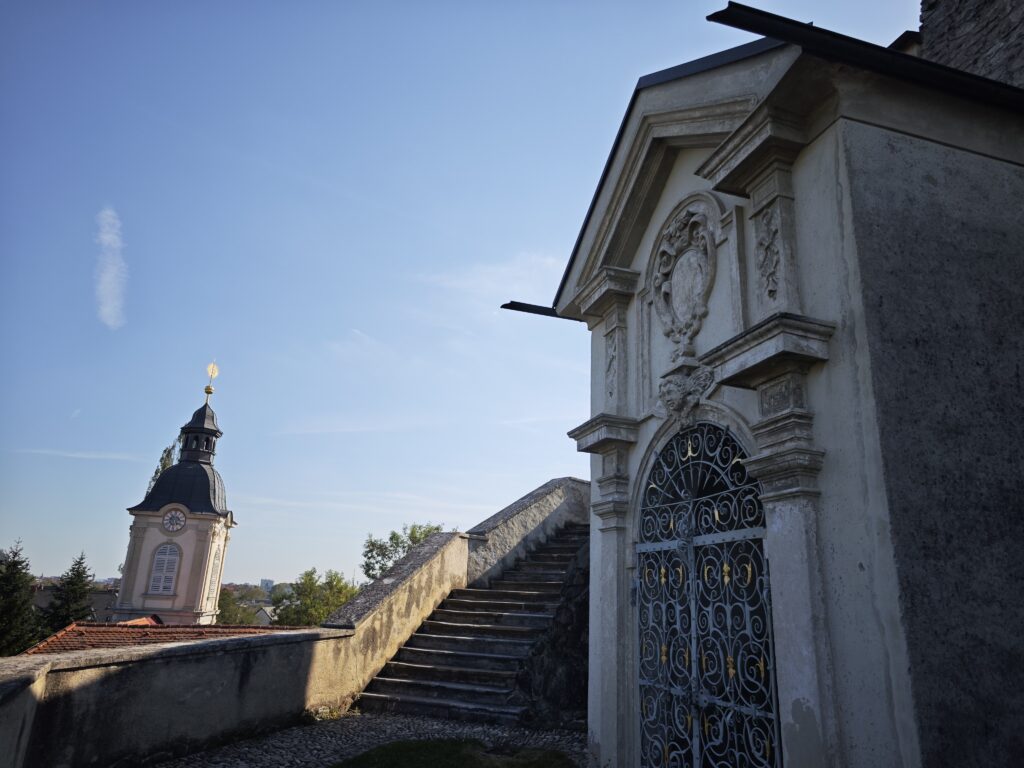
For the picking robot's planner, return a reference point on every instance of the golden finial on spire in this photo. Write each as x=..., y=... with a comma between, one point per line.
x=213, y=370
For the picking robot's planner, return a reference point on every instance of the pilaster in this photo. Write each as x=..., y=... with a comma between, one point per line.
x=610, y=435
x=774, y=358
x=756, y=162
x=130, y=569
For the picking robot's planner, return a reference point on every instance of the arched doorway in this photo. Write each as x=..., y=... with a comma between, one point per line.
x=706, y=671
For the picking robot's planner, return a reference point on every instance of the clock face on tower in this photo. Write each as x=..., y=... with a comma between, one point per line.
x=174, y=520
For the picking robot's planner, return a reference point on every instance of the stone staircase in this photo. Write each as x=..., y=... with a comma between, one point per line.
x=463, y=661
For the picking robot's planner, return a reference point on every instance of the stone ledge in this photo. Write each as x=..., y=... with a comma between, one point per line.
x=374, y=594
x=604, y=431
x=609, y=285
x=758, y=353
x=513, y=509
x=28, y=668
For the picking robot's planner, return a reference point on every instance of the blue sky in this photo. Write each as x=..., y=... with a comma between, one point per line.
x=331, y=199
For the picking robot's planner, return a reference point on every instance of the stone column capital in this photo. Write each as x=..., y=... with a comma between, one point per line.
x=606, y=295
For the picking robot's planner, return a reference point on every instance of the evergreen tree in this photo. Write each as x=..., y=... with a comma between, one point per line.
x=19, y=622
x=168, y=457
x=381, y=554
x=71, y=596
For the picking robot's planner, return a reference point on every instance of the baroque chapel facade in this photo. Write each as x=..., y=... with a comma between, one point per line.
x=179, y=534
x=800, y=271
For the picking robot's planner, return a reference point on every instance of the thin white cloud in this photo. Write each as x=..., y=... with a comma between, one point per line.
x=89, y=455
x=111, y=270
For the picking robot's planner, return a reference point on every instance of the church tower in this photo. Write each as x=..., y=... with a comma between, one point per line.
x=179, y=533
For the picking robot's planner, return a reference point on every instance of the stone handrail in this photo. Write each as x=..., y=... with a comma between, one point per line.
x=497, y=542
x=409, y=591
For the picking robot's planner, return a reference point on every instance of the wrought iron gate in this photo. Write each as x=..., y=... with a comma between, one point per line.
x=707, y=677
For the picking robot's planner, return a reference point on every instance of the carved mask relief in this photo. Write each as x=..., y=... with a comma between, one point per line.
x=684, y=273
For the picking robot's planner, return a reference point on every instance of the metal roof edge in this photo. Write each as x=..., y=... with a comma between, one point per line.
x=859, y=53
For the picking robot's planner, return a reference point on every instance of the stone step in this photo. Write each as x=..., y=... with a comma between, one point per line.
x=450, y=710
x=552, y=558
x=481, y=604
x=542, y=565
x=407, y=671
x=546, y=588
x=439, y=657
x=500, y=631
x=518, y=593
x=505, y=618
x=464, y=660
x=529, y=575
x=558, y=549
x=469, y=644
x=438, y=689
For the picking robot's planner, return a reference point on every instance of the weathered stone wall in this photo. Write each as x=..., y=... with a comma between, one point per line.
x=940, y=248
x=500, y=540
x=554, y=678
x=984, y=37
x=133, y=706
x=129, y=706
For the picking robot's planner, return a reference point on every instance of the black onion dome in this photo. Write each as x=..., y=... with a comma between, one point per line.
x=196, y=485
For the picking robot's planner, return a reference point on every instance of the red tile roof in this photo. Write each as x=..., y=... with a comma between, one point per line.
x=84, y=635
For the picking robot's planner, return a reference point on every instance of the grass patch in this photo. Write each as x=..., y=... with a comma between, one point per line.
x=455, y=753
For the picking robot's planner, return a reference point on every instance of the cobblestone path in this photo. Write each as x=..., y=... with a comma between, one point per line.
x=322, y=744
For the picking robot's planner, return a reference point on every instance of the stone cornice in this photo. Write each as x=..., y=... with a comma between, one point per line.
x=762, y=350
x=769, y=135
x=604, y=432
x=609, y=286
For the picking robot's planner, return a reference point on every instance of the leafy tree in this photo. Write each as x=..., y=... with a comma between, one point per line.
x=232, y=611
x=313, y=599
x=70, y=596
x=19, y=622
x=167, y=459
x=381, y=554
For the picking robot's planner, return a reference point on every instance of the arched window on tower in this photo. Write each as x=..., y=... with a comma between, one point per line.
x=211, y=589
x=165, y=568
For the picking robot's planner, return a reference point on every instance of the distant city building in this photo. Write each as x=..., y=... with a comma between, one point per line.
x=266, y=585
x=179, y=534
